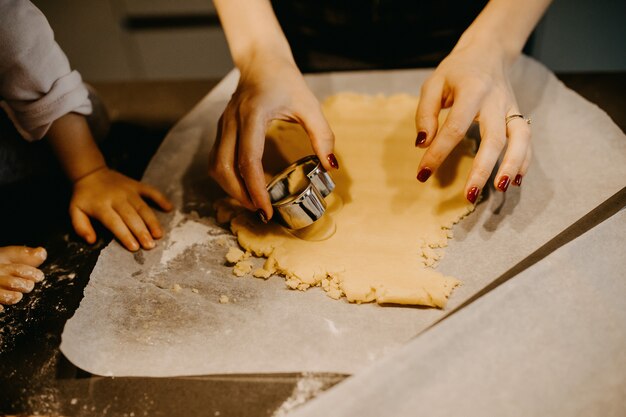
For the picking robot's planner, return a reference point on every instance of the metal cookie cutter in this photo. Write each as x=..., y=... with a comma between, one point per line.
x=297, y=193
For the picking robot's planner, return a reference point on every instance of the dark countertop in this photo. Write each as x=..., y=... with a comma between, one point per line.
x=35, y=378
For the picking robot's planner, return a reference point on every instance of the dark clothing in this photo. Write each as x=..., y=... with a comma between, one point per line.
x=368, y=34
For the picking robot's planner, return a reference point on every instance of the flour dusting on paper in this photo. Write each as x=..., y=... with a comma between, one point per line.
x=185, y=233
x=308, y=387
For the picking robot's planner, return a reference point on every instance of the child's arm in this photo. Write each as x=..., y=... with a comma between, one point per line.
x=105, y=195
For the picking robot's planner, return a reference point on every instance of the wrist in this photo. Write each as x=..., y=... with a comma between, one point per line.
x=263, y=52
x=503, y=27
x=252, y=31
x=71, y=141
x=491, y=41
x=88, y=173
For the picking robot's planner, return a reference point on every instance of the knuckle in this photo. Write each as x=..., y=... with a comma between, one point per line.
x=512, y=162
x=482, y=172
x=20, y=269
x=480, y=84
x=423, y=119
x=496, y=141
x=247, y=164
x=327, y=137
x=219, y=170
x=454, y=129
x=434, y=157
x=214, y=171
x=10, y=297
x=429, y=83
x=249, y=108
x=8, y=268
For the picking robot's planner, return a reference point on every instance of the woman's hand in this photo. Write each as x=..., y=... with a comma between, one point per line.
x=473, y=82
x=270, y=88
x=118, y=203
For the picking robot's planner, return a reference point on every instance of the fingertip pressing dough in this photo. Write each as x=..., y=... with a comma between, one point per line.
x=389, y=228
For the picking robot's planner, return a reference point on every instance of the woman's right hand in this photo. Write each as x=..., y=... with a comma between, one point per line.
x=270, y=88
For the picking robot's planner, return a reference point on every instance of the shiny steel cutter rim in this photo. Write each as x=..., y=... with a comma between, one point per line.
x=308, y=205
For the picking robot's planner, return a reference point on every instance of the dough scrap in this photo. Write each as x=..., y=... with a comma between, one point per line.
x=242, y=268
x=390, y=229
x=234, y=255
x=261, y=273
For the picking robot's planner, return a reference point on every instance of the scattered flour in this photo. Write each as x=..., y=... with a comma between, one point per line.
x=184, y=233
x=308, y=387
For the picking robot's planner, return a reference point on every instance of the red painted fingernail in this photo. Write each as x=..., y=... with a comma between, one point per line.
x=421, y=138
x=472, y=194
x=503, y=184
x=424, y=174
x=518, y=180
x=333, y=161
x=262, y=216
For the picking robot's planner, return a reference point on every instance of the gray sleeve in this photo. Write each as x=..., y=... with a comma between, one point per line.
x=37, y=85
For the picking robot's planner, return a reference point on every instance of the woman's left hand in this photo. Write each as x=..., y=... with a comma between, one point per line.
x=473, y=82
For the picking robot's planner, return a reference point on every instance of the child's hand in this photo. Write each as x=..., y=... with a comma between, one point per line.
x=18, y=272
x=117, y=202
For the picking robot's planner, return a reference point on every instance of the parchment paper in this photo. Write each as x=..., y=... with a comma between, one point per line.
x=135, y=321
x=550, y=342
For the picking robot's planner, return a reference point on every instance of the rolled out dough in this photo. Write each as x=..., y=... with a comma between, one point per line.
x=390, y=228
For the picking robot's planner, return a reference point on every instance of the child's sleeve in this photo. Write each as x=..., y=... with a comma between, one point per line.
x=37, y=85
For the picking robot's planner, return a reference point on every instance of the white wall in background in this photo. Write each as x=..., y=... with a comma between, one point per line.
x=582, y=35
x=93, y=37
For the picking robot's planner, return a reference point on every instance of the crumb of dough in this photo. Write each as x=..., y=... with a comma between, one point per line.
x=334, y=293
x=270, y=265
x=176, y=288
x=292, y=283
x=195, y=290
x=224, y=299
x=234, y=255
x=261, y=273
x=242, y=268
